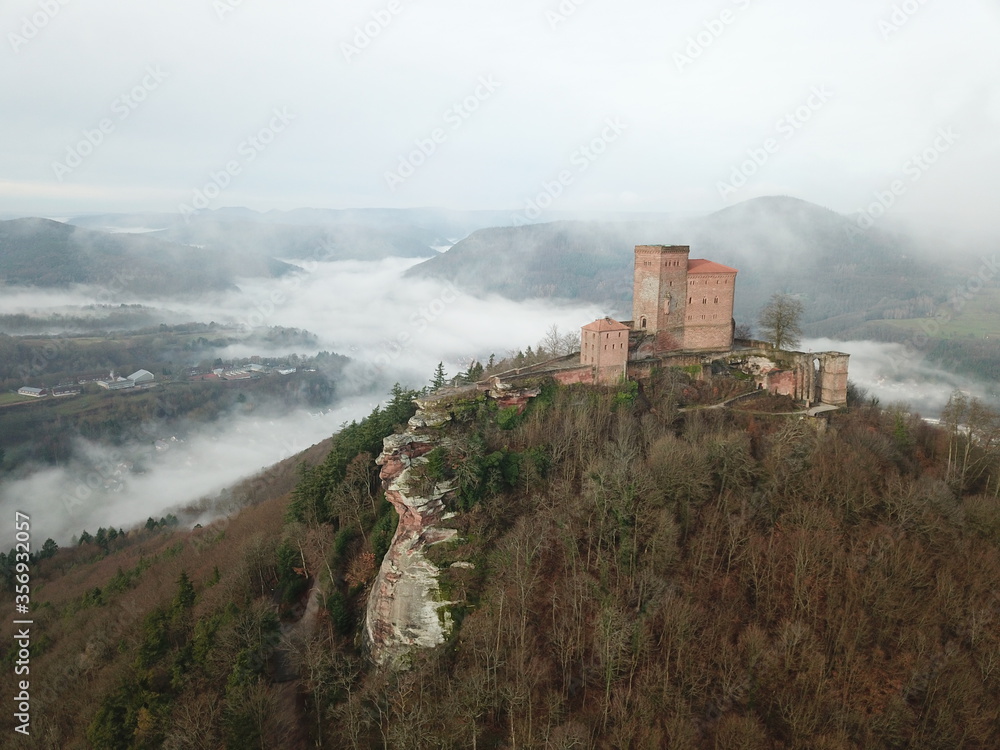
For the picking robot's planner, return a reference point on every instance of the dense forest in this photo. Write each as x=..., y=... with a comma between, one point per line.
x=644, y=577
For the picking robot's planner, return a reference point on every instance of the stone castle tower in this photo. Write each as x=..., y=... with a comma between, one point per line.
x=682, y=303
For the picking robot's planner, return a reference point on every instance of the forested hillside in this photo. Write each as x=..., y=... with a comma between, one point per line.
x=39, y=252
x=873, y=284
x=778, y=244
x=644, y=577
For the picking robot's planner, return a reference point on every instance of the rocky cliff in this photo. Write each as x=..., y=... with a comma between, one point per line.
x=405, y=607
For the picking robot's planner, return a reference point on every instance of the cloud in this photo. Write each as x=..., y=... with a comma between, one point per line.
x=562, y=78
x=890, y=372
x=122, y=486
x=395, y=330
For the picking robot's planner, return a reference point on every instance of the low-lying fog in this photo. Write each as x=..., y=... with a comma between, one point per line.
x=895, y=373
x=395, y=330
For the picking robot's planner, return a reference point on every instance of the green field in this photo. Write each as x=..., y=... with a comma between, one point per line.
x=978, y=318
x=14, y=398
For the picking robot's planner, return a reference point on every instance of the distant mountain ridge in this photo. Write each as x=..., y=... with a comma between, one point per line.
x=161, y=255
x=777, y=243
x=248, y=233
x=44, y=253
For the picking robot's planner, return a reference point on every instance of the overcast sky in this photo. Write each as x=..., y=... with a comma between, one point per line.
x=319, y=104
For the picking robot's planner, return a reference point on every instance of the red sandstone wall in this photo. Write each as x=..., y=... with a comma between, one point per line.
x=583, y=375
x=660, y=271
x=782, y=382
x=588, y=346
x=709, y=317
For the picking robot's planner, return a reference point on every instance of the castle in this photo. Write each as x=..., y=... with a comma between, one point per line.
x=678, y=304
x=682, y=315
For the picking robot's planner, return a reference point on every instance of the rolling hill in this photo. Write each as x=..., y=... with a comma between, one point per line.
x=44, y=253
x=779, y=244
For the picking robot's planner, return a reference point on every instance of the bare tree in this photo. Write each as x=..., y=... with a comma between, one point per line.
x=779, y=321
x=557, y=344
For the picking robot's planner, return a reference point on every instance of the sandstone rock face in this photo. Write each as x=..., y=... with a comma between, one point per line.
x=405, y=609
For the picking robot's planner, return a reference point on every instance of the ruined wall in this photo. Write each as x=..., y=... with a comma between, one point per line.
x=811, y=377
x=833, y=378
x=583, y=375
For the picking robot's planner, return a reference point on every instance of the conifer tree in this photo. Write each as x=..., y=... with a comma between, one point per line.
x=439, y=376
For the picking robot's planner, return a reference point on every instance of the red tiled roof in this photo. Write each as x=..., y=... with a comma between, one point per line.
x=605, y=324
x=700, y=265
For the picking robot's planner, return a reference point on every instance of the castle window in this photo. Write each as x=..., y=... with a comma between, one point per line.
x=704, y=300
x=642, y=322
x=690, y=300
x=716, y=300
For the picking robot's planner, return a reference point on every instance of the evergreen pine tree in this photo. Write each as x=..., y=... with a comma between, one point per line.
x=439, y=376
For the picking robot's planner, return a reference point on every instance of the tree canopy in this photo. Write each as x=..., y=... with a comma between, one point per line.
x=780, y=321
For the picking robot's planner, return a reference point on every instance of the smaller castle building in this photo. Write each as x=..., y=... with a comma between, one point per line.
x=604, y=345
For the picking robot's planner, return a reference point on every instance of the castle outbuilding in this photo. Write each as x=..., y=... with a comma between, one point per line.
x=604, y=345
